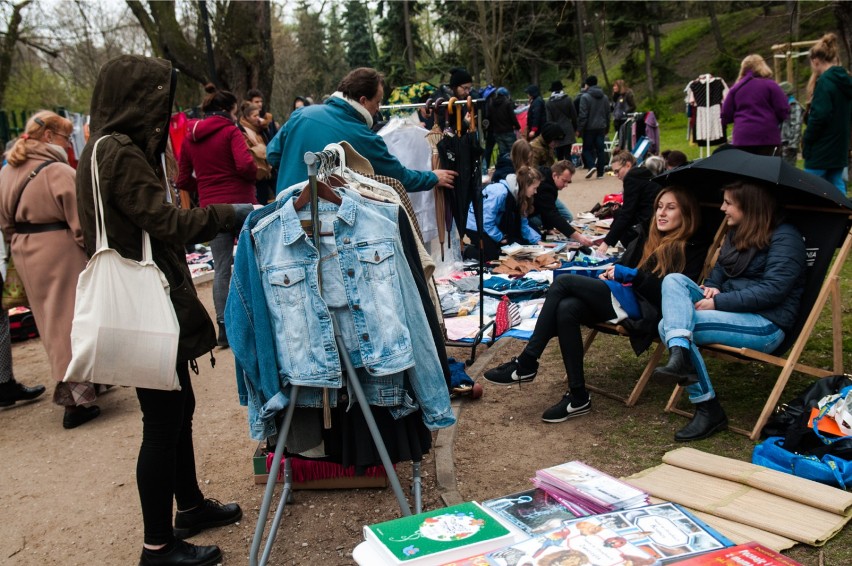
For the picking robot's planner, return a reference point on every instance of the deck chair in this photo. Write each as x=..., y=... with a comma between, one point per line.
x=713, y=226
x=640, y=150
x=824, y=230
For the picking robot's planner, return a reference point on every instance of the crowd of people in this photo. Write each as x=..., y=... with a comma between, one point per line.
x=235, y=158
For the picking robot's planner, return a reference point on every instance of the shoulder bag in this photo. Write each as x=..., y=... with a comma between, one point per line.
x=125, y=331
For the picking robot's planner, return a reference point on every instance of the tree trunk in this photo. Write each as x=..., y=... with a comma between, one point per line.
x=7, y=48
x=599, y=51
x=649, y=74
x=409, y=46
x=843, y=13
x=242, y=53
x=581, y=43
x=714, y=25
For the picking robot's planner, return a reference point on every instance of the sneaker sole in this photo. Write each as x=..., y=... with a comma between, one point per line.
x=513, y=382
x=570, y=415
x=182, y=534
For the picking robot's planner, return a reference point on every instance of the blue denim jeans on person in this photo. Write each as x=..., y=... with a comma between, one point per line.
x=594, y=150
x=222, y=248
x=682, y=320
x=833, y=176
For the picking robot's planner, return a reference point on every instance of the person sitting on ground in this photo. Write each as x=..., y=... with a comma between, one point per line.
x=674, y=158
x=550, y=212
x=638, y=202
x=628, y=291
x=542, y=146
x=506, y=206
x=750, y=299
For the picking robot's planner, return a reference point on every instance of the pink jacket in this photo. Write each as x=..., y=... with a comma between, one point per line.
x=216, y=151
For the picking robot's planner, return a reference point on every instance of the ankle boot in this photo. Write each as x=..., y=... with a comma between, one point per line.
x=709, y=419
x=222, y=341
x=679, y=369
x=11, y=392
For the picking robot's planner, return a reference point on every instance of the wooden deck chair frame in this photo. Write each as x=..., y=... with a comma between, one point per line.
x=829, y=290
x=659, y=347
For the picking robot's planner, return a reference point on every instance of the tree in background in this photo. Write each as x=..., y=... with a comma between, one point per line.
x=358, y=35
x=400, y=34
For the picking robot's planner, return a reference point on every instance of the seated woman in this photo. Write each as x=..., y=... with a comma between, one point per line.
x=506, y=205
x=750, y=300
x=627, y=290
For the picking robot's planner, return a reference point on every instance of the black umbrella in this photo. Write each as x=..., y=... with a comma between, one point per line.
x=794, y=186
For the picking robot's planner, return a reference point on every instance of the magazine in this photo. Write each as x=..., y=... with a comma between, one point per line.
x=748, y=554
x=591, y=488
x=533, y=511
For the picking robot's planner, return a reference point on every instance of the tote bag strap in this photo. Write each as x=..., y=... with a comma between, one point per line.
x=101, y=241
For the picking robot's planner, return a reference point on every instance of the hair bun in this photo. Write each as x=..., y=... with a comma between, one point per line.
x=210, y=88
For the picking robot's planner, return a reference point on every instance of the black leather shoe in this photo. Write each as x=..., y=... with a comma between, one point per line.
x=709, y=419
x=79, y=415
x=222, y=341
x=183, y=554
x=209, y=514
x=11, y=392
x=679, y=369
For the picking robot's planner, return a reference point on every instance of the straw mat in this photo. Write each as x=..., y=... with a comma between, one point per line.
x=708, y=491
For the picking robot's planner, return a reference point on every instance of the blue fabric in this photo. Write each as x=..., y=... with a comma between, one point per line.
x=833, y=176
x=622, y=290
x=829, y=469
x=313, y=127
x=501, y=285
x=737, y=329
x=458, y=375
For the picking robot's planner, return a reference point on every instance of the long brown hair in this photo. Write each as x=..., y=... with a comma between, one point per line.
x=526, y=177
x=37, y=125
x=666, y=251
x=760, y=214
x=521, y=154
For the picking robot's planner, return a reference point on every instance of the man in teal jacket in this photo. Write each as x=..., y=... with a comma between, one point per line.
x=346, y=116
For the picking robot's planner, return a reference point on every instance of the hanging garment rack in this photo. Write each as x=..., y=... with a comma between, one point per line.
x=313, y=160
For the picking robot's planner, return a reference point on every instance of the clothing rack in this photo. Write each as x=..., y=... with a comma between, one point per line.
x=414, y=105
x=706, y=78
x=313, y=161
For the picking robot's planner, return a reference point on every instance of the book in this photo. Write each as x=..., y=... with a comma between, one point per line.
x=438, y=536
x=665, y=531
x=533, y=511
x=591, y=488
x=583, y=542
x=748, y=554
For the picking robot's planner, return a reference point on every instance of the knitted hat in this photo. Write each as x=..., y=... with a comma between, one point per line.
x=592, y=80
x=503, y=91
x=556, y=86
x=533, y=91
x=459, y=76
x=551, y=131
x=786, y=87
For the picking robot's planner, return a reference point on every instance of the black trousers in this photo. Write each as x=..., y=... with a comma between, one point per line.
x=165, y=470
x=490, y=248
x=571, y=301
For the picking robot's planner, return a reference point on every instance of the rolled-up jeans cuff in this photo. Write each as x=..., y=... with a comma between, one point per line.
x=678, y=333
x=700, y=398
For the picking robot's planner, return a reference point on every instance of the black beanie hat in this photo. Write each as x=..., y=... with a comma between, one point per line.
x=551, y=131
x=459, y=76
x=592, y=80
x=556, y=86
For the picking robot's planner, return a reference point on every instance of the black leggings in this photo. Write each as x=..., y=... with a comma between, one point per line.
x=165, y=470
x=571, y=301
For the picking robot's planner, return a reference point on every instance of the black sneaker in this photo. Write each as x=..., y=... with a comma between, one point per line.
x=591, y=172
x=565, y=409
x=182, y=553
x=210, y=514
x=509, y=373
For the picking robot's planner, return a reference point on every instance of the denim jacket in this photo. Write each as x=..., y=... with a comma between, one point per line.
x=282, y=327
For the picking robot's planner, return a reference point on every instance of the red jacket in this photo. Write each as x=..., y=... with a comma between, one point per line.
x=215, y=149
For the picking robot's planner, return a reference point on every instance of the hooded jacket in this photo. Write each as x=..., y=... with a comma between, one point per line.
x=537, y=113
x=594, y=110
x=756, y=107
x=560, y=109
x=131, y=104
x=825, y=144
x=216, y=151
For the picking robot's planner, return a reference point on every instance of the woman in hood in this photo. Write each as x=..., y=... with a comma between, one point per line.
x=131, y=105
x=40, y=217
x=216, y=162
x=825, y=145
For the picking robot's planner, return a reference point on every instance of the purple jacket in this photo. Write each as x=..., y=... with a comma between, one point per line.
x=757, y=107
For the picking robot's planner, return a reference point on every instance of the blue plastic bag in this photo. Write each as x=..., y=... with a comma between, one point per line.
x=828, y=469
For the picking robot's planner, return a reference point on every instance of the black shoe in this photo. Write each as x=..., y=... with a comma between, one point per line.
x=11, y=392
x=222, y=341
x=209, y=514
x=590, y=172
x=566, y=409
x=679, y=369
x=79, y=415
x=709, y=419
x=183, y=554
x=510, y=372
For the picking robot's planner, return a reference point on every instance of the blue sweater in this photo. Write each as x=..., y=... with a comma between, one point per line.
x=314, y=127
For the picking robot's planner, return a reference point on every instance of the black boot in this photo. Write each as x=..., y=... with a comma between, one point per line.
x=222, y=342
x=11, y=392
x=679, y=369
x=709, y=419
x=79, y=415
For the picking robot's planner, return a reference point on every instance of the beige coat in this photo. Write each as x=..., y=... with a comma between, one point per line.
x=48, y=262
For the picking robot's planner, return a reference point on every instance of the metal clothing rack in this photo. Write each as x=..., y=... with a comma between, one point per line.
x=312, y=160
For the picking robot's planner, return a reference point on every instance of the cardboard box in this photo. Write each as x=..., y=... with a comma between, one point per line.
x=345, y=482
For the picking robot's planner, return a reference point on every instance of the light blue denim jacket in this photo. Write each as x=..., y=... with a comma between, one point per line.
x=282, y=327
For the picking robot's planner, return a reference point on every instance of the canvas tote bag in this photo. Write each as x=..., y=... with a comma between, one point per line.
x=125, y=331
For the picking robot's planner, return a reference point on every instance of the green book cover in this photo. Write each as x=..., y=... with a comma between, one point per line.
x=456, y=532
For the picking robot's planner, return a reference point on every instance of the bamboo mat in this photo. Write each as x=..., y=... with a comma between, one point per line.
x=707, y=493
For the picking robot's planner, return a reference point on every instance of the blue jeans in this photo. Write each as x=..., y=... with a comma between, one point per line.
x=736, y=329
x=594, y=150
x=833, y=176
x=222, y=248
